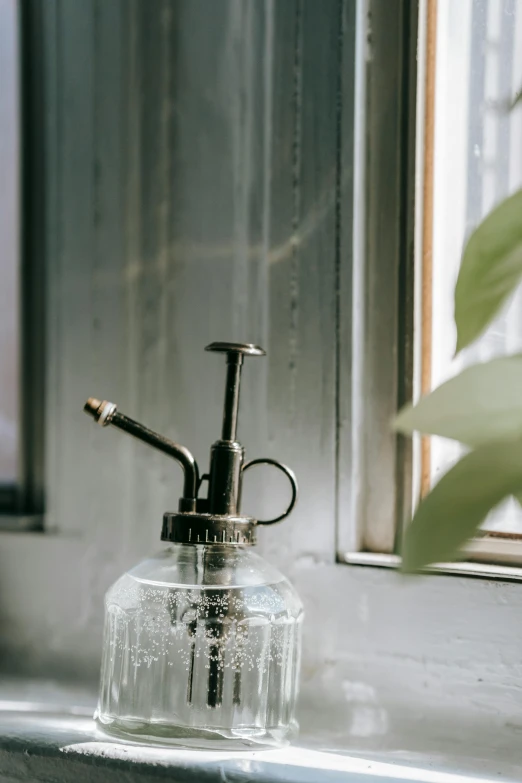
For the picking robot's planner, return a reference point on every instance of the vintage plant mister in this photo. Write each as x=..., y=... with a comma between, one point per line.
x=202, y=640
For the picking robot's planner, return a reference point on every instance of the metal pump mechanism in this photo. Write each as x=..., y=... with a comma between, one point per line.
x=216, y=519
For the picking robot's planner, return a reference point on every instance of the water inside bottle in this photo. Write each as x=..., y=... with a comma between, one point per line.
x=202, y=665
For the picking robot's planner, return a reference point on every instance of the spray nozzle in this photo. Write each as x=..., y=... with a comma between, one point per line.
x=216, y=518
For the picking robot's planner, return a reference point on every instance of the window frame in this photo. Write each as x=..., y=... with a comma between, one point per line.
x=21, y=506
x=369, y=533
x=376, y=284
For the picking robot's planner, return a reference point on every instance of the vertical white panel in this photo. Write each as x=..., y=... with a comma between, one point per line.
x=450, y=188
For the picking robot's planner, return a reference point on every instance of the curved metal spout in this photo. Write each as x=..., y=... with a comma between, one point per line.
x=106, y=413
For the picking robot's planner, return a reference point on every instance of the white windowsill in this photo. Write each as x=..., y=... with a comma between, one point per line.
x=505, y=573
x=45, y=743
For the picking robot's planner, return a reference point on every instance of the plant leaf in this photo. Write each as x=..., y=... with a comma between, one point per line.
x=490, y=270
x=516, y=100
x=483, y=403
x=459, y=503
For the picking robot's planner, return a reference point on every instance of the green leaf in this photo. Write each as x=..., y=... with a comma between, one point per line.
x=491, y=269
x=516, y=100
x=483, y=403
x=459, y=503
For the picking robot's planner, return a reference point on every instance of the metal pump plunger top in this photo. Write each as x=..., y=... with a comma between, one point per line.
x=216, y=518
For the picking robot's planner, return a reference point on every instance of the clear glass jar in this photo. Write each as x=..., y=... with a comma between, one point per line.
x=201, y=648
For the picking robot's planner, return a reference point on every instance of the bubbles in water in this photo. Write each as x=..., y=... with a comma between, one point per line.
x=169, y=647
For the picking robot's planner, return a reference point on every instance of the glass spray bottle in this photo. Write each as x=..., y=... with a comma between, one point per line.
x=202, y=641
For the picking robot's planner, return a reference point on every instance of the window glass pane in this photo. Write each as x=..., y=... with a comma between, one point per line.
x=478, y=161
x=9, y=232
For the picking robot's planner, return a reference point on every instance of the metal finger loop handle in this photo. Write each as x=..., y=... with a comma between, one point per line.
x=293, y=483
